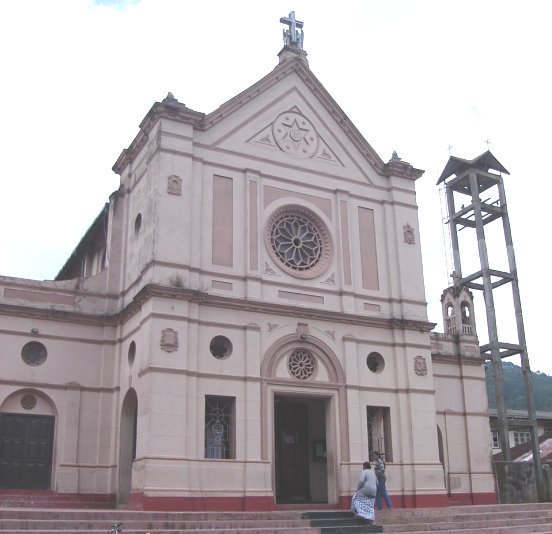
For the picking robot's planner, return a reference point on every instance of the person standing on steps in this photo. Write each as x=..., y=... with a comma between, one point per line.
x=362, y=504
x=379, y=469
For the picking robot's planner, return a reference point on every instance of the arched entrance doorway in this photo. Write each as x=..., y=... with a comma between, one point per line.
x=127, y=445
x=305, y=436
x=27, y=424
x=300, y=457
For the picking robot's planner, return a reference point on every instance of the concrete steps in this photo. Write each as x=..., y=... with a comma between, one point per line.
x=487, y=519
x=491, y=519
x=338, y=522
x=50, y=499
x=45, y=521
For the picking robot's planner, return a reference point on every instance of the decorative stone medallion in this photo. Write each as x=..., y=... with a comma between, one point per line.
x=174, y=185
x=420, y=366
x=28, y=401
x=408, y=234
x=169, y=340
x=295, y=134
x=301, y=364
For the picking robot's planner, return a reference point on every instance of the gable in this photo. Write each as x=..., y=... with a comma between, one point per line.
x=289, y=119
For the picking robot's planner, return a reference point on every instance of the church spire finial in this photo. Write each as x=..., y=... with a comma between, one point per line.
x=293, y=36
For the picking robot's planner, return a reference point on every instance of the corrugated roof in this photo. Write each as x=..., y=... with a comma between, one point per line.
x=485, y=161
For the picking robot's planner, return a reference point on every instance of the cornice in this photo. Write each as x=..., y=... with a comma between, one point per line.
x=69, y=316
x=153, y=290
x=457, y=359
x=402, y=169
x=169, y=108
x=200, y=297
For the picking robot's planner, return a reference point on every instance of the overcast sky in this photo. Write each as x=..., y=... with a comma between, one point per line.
x=417, y=77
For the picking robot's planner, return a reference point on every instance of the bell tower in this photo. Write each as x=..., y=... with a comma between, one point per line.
x=477, y=186
x=458, y=317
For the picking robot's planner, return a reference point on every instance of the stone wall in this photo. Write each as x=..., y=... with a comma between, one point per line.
x=516, y=482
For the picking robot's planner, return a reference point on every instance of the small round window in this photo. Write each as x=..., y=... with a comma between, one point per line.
x=220, y=347
x=34, y=353
x=375, y=362
x=301, y=364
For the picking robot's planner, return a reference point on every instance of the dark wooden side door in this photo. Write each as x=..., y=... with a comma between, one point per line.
x=292, y=455
x=26, y=450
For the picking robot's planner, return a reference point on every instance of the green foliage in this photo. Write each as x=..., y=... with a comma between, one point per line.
x=514, y=388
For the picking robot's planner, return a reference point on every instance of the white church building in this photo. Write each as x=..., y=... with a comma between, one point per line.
x=244, y=324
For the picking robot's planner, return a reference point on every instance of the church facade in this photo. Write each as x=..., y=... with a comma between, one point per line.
x=244, y=324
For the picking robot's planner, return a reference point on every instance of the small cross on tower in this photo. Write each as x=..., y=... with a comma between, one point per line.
x=293, y=36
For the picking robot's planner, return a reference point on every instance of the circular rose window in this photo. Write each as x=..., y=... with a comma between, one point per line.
x=299, y=241
x=301, y=364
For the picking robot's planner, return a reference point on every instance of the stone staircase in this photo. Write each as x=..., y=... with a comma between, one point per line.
x=50, y=499
x=489, y=519
x=485, y=519
x=49, y=521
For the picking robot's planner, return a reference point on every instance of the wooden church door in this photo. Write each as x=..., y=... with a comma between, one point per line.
x=292, y=455
x=26, y=443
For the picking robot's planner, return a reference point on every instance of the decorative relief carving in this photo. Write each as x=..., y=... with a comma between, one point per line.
x=169, y=340
x=420, y=366
x=330, y=333
x=303, y=331
x=268, y=269
x=408, y=234
x=295, y=134
x=174, y=185
x=272, y=326
x=265, y=140
x=28, y=401
x=330, y=279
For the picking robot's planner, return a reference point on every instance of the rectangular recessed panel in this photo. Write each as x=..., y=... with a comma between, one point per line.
x=223, y=221
x=217, y=284
x=368, y=252
x=345, y=243
x=253, y=228
x=302, y=297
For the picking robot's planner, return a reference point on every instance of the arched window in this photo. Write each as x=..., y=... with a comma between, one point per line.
x=450, y=319
x=466, y=318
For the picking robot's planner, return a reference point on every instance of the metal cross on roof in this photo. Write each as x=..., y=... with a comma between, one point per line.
x=293, y=36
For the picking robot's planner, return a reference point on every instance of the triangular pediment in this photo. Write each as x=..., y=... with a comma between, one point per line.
x=286, y=118
x=289, y=117
x=293, y=133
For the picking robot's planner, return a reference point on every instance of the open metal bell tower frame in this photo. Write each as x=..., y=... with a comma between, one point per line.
x=470, y=179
